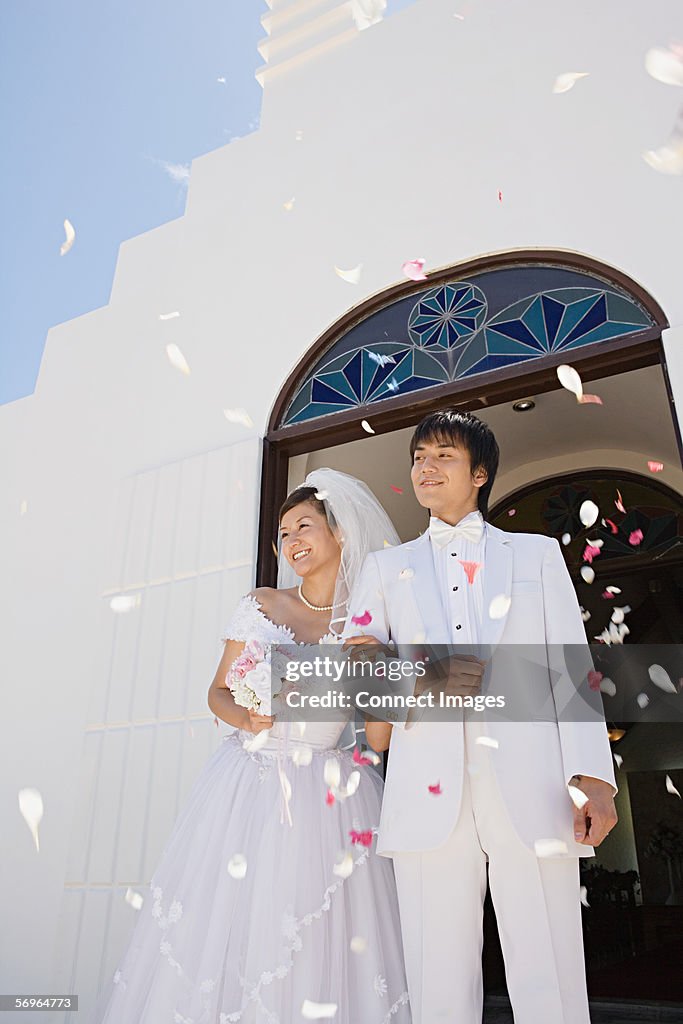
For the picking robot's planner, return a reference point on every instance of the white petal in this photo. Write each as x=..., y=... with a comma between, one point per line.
x=289, y=204
x=169, y=316
x=237, y=866
x=366, y=427
x=579, y=798
x=660, y=677
x=487, y=741
x=500, y=606
x=613, y=590
x=177, y=359
x=670, y=788
x=584, y=896
x=584, y=614
x=318, y=1011
x=358, y=944
x=134, y=898
x=332, y=773
x=566, y=538
x=344, y=865
x=619, y=759
x=667, y=159
x=567, y=81
x=69, y=240
x=570, y=379
x=588, y=513
x=587, y=574
x=607, y=686
x=259, y=740
x=31, y=807
x=302, y=757
x=238, y=416
x=643, y=700
x=124, y=602
x=352, y=783
x=351, y=276
x=550, y=847
x=367, y=12
x=664, y=65
x=619, y=613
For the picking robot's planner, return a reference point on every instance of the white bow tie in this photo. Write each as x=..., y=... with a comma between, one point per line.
x=442, y=534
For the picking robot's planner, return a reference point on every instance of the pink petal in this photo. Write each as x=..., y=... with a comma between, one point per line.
x=590, y=553
x=362, y=620
x=435, y=790
x=471, y=569
x=500, y=196
x=635, y=538
x=611, y=525
x=397, y=490
x=619, y=503
x=512, y=511
x=588, y=399
x=594, y=680
x=413, y=270
x=358, y=757
x=329, y=799
x=655, y=467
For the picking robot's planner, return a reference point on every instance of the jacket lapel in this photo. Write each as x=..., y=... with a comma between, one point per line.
x=430, y=615
x=497, y=580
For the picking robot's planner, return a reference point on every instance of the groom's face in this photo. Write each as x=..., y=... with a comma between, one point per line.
x=442, y=477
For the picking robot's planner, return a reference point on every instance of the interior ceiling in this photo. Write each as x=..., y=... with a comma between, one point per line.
x=635, y=417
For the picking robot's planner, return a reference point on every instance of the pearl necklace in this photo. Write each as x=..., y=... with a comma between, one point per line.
x=317, y=607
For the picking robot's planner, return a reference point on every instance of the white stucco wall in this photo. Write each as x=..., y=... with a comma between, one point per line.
x=409, y=132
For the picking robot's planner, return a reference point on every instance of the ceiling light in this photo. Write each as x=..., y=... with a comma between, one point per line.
x=524, y=405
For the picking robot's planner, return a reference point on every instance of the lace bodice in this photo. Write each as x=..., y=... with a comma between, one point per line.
x=249, y=622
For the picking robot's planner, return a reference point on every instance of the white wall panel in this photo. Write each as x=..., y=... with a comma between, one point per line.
x=133, y=821
x=139, y=532
x=163, y=793
x=147, y=679
x=84, y=817
x=186, y=546
x=166, y=515
x=107, y=806
x=174, y=656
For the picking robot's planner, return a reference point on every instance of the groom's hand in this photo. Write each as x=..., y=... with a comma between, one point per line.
x=598, y=816
x=364, y=647
x=459, y=674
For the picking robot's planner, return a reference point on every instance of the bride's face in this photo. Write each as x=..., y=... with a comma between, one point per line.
x=307, y=541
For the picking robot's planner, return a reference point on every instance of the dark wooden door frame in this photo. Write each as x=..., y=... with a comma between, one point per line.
x=508, y=384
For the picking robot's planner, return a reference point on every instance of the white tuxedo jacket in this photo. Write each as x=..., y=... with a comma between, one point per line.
x=534, y=760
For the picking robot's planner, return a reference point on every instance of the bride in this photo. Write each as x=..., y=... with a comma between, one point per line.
x=269, y=905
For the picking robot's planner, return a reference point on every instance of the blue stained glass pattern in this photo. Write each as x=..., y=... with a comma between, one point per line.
x=496, y=318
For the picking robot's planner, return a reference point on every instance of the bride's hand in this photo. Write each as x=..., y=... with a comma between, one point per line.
x=257, y=723
x=365, y=643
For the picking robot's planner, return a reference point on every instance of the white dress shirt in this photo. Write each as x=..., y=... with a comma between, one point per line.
x=463, y=600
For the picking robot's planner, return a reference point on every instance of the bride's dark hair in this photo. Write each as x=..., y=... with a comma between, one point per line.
x=306, y=495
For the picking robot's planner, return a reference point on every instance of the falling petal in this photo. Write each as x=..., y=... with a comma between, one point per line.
x=329, y=798
x=584, y=896
x=588, y=513
x=366, y=427
x=607, y=686
x=381, y=360
x=436, y=789
x=584, y=614
x=664, y=65
x=23, y=508
x=134, y=898
x=302, y=757
x=406, y=574
x=591, y=551
x=238, y=416
x=413, y=270
x=221, y=80
x=352, y=783
x=570, y=379
x=358, y=944
x=619, y=613
x=579, y=798
x=169, y=316
x=635, y=538
x=332, y=773
x=289, y=204
x=612, y=526
x=69, y=240
x=500, y=196
x=611, y=591
x=566, y=538
x=396, y=490
x=31, y=807
x=344, y=865
x=660, y=677
x=362, y=620
x=594, y=679
x=124, y=602
x=500, y=606
x=487, y=741
x=655, y=467
x=550, y=847
x=643, y=700
x=471, y=569
x=667, y=159
x=317, y=1011
x=177, y=359
x=393, y=385
x=567, y=80
x=619, y=503
x=321, y=495
x=590, y=400
x=350, y=276
x=670, y=788
x=272, y=544
x=619, y=759
x=260, y=739
x=512, y=511
x=367, y=12
x=237, y=866
x=298, y=136
x=587, y=574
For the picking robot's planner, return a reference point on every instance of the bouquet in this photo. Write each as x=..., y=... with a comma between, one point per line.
x=249, y=678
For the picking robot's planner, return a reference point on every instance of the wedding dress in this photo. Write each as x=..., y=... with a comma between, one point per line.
x=245, y=919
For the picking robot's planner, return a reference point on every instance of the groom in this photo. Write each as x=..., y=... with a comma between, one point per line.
x=454, y=807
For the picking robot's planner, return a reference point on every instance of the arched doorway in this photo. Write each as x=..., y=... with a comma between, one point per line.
x=482, y=336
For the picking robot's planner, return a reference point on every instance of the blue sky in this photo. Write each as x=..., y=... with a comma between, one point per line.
x=102, y=105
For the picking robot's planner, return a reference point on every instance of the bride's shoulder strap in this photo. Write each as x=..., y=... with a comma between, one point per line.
x=249, y=620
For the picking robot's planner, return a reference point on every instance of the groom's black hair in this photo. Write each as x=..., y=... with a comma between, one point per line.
x=451, y=426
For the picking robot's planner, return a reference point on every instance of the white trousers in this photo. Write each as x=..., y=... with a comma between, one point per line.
x=538, y=909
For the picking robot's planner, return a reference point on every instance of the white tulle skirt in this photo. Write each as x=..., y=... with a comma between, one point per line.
x=211, y=948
